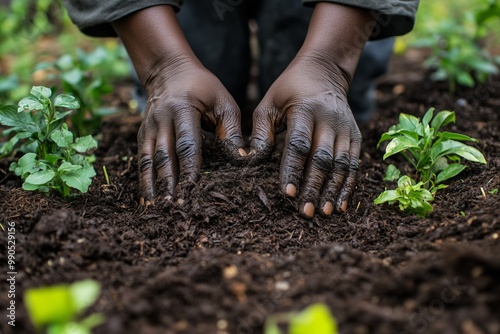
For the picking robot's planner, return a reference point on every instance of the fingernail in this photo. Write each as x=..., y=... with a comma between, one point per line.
x=291, y=190
x=242, y=152
x=344, y=206
x=328, y=208
x=141, y=201
x=308, y=210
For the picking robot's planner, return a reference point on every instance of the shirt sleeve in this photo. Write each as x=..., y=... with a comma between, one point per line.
x=94, y=17
x=393, y=17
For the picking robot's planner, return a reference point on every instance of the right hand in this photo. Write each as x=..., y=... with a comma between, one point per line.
x=182, y=96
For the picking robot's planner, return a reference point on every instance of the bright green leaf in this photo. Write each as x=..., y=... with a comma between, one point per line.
x=456, y=136
x=60, y=309
x=77, y=179
x=427, y=117
x=454, y=147
x=408, y=122
x=392, y=173
x=315, y=319
x=18, y=121
x=68, y=167
x=41, y=93
x=386, y=196
x=30, y=103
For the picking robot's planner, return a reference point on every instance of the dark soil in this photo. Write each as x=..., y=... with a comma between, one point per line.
x=236, y=251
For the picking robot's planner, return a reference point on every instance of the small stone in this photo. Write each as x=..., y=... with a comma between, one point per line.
x=230, y=272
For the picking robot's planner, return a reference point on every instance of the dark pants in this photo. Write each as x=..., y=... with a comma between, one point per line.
x=218, y=32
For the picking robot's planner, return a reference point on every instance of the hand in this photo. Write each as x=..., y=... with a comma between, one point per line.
x=323, y=142
x=182, y=96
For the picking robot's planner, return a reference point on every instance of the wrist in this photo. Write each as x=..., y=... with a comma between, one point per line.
x=336, y=37
x=155, y=43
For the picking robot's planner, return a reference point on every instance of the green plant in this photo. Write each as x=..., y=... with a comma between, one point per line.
x=88, y=76
x=53, y=158
x=457, y=51
x=316, y=319
x=56, y=309
x=411, y=196
x=435, y=156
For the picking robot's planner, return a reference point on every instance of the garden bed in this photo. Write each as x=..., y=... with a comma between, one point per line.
x=236, y=250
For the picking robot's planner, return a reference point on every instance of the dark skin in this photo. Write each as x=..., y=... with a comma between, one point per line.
x=323, y=142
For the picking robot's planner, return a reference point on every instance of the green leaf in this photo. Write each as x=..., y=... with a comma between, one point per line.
x=427, y=117
x=456, y=136
x=62, y=137
x=53, y=158
x=84, y=144
x=41, y=93
x=77, y=179
x=84, y=294
x=66, y=101
x=7, y=147
x=17, y=121
x=30, y=187
x=60, y=309
x=386, y=196
x=271, y=327
x=315, y=319
x=442, y=118
x=408, y=122
x=454, y=147
x=392, y=173
x=399, y=144
x=30, y=103
x=68, y=167
x=465, y=79
x=41, y=177
x=449, y=172
x=73, y=77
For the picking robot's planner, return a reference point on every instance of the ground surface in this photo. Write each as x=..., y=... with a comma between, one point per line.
x=236, y=250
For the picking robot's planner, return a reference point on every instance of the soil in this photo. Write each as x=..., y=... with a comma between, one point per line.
x=236, y=251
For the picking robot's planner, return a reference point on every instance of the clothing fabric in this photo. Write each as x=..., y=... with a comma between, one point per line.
x=393, y=17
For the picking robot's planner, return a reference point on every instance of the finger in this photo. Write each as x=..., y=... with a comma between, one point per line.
x=165, y=160
x=343, y=176
x=188, y=142
x=350, y=182
x=297, y=148
x=319, y=166
x=146, y=146
x=263, y=132
x=228, y=130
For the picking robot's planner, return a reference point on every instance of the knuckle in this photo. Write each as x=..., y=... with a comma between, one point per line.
x=161, y=159
x=323, y=159
x=186, y=147
x=354, y=164
x=299, y=144
x=145, y=163
x=342, y=163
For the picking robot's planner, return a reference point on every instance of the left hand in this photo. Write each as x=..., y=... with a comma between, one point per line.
x=323, y=142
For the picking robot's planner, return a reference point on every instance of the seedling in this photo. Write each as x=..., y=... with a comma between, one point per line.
x=53, y=158
x=57, y=309
x=435, y=156
x=316, y=319
x=105, y=174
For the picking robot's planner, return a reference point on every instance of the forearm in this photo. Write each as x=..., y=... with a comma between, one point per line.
x=154, y=40
x=337, y=35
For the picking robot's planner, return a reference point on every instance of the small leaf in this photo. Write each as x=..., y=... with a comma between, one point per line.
x=442, y=118
x=386, y=196
x=68, y=167
x=41, y=177
x=7, y=147
x=392, y=173
x=66, y=101
x=84, y=144
x=427, y=117
x=30, y=187
x=315, y=319
x=399, y=144
x=454, y=147
x=77, y=179
x=449, y=172
x=62, y=137
x=408, y=122
x=456, y=136
x=41, y=93
x=59, y=310
x=84, y=294
x=30, y=103
x=17, y=121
